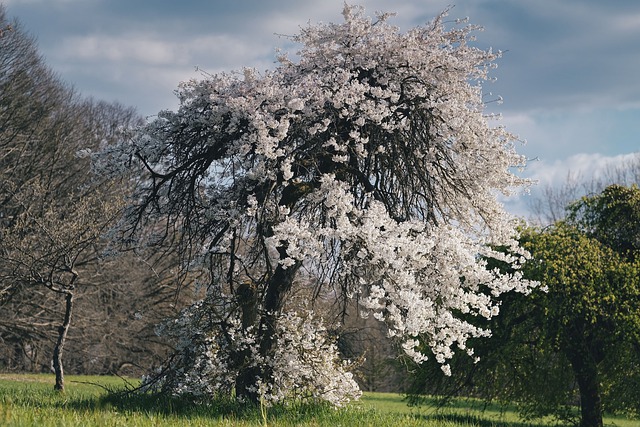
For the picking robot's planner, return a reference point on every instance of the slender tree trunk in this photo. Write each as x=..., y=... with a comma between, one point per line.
x=62, y=336
x=586, y=372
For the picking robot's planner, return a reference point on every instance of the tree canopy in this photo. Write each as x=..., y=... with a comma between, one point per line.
x=591, y=314
x=363, y=171
x=612, y=218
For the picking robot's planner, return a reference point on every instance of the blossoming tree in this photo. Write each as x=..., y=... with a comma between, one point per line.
x=364, y=170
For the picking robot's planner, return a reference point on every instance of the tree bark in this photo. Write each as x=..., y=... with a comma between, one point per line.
x=62, y=336
x=247, y=299
x=277, y=287
x=586, y=372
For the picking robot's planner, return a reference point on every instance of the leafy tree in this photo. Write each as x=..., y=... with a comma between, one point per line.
x=580, y=335
x=591, y=314
x=364, y=171
x=612, y=218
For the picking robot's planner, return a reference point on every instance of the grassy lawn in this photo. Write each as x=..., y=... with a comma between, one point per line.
x=29, y=400
x=468, y=413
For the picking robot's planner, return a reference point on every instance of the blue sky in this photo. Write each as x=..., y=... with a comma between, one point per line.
x=568, y=76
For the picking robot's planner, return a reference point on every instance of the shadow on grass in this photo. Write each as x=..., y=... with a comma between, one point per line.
x=475, y=412
x=219, y=408
x=477, y=421
x=133, y=401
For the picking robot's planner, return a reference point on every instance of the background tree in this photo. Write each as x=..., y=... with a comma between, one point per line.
x=30, y=94
x=52, y=246
x=612, y=218
x=551, y=206
x=55, y=257
x=365, y=171
x=366, y=341
x=581, y=335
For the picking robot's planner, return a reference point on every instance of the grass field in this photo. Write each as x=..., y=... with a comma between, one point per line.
x=29, y=400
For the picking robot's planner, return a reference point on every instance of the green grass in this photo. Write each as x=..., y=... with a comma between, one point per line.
x=29, y=400
x=462, y=411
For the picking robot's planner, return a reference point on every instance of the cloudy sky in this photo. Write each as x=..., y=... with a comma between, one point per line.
x=568, y=76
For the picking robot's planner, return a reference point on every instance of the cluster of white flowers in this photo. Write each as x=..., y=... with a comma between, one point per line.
x=306, y=364
x=414, y=276
x=369, y=156
x=197, y=368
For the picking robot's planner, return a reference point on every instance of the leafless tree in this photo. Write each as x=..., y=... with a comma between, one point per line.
x=550, y=206
x=54, y=213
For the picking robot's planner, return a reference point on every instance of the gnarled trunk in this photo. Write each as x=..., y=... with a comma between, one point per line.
x=247, y=299
x=277, y=287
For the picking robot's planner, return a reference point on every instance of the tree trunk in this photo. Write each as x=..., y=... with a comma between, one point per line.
x=62, y=336
x=247, y=299
x=277, y=287
x=586, y=372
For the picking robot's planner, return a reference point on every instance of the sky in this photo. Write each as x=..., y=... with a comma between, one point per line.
x=569, y=75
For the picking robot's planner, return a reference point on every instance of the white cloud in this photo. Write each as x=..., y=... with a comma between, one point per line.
x=626, y=23
x=154, y=51
x=555, y=172
x=582, y=167
x=120, y=49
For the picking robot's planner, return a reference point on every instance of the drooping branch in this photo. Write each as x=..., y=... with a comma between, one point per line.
x=364, y=170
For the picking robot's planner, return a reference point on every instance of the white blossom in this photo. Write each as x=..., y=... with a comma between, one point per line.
x=370, y=156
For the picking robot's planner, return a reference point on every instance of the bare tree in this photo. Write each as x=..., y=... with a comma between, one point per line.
x=54, y=212
x=551, y=205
